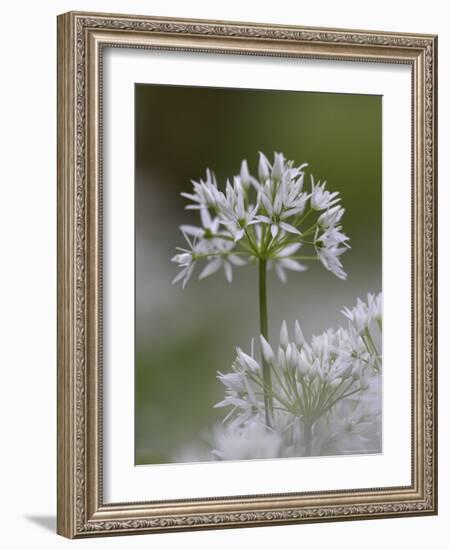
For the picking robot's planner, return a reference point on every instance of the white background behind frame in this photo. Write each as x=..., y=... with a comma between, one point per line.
x=28, y=508
x=124, y=482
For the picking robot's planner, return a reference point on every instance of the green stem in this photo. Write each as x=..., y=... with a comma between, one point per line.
x=307, y=439
x=266, y=370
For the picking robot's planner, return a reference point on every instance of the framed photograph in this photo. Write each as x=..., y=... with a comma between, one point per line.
x=246, y=274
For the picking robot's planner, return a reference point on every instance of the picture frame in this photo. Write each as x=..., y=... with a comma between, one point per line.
x=83, y=474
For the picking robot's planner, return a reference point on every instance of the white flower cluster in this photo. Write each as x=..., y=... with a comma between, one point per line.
x=267, y=218
x=325, y=394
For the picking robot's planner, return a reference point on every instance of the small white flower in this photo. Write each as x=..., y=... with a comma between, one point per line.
x=281, y=193
x=329, y=257
x=186, y=263
x=358, y=315
x=246, y=361
x=364, y=313
x=328, y=249
x=331, y=216
x=234, y=214
x=234, y=381
x=322, y=199
x=210, y=226
x=205, y=192
x=187, y=258
x=333, y=236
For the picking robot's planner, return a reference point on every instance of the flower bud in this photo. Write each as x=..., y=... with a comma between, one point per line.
x=299, y=338
x=283, y=337
x=292, y=355
x=303, y=364
x=245, y=177
x=267, y=352
x=264, y=168
x=278, y=166
x=247, y=361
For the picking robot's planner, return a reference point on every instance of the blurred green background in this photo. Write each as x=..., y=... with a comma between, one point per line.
x=184, y=336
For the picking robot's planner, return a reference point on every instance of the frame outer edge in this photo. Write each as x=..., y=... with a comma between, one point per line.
x=76, y=310
x=435, y=269
x=66, y=342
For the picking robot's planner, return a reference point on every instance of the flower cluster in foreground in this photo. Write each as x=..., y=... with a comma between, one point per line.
x=271, y=218
x=325, y=394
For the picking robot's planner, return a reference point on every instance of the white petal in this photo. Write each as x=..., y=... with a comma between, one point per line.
x=274, y=230
x=289, y=250
x=267, y=203
x=293, y=265
x=236, y=260
x=248, y=361
x=212, y=267
x=188, y=274
x=289, y=228
x=179, y=276
x=280, y=273
x=190, y=196
x=239, y=234
x=223, y=403
x=228, y=271
x=206, y=220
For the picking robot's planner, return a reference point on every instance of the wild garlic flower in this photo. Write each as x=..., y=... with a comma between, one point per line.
x=264, y=219
x=281, y=194
x=205, y=192
x=310, y=382
x=187, y=257
x=236, y=214
x=307, y=381
x=364, y=313
x=321, y=198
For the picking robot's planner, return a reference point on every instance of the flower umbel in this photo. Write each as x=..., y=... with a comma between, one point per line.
x=266, y=218
x=332, y=374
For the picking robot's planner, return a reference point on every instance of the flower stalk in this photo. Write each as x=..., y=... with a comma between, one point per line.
x=263, y=314
x=307, y=439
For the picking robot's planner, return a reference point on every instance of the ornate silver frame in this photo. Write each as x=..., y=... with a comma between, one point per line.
x=81, y=38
